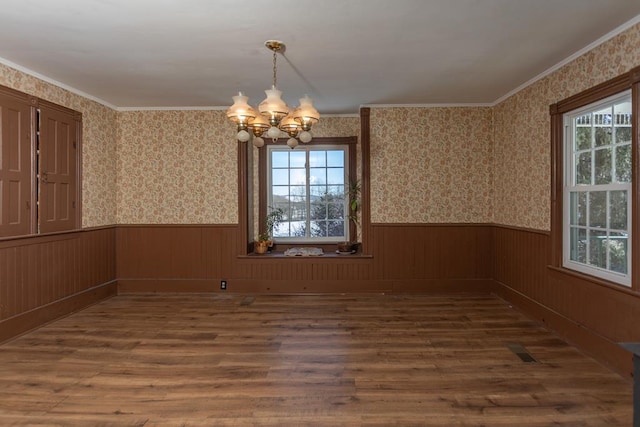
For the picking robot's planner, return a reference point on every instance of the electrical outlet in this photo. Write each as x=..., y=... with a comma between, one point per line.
x=223, y=285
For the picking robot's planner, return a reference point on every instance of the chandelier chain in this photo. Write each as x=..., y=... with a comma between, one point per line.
x=275, y=79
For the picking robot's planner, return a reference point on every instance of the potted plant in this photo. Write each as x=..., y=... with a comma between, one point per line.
x=265, y=238
x=353, y=193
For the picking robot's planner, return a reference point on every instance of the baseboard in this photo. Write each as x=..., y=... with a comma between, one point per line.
x=25, y=322
x=252, y=286
x=591, y=343
x=484, y=286
x=301, y=286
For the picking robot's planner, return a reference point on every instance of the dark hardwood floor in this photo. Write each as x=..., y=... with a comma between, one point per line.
x=375, y=360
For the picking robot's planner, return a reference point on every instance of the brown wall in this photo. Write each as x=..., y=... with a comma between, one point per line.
x=591, y=315
x=45, y=277
x=404, y=258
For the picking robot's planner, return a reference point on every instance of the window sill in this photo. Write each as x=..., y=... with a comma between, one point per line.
x=593, y=279
x=326, y=255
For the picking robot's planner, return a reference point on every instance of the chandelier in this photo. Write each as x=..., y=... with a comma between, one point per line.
x=274, y=116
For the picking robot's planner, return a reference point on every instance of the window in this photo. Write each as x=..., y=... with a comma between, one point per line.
x=39, y=165
x=597, y=189
x=594, y=183
x=310, y=184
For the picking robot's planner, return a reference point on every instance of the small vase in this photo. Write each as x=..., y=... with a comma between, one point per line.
x=261, y=247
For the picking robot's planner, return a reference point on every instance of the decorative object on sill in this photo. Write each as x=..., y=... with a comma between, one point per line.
x=351, y=252
x=264, y=242
x=304, y=252
x=354, y=204
x=274, y=116
x=345, y=247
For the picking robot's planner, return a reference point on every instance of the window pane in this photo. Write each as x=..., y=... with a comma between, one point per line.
x=336, y=190
x=335, y=228
x=318, y=191
x=297, y=159
x=297, y=176
x=317, y=159
x=583, y=138
x=623, y=134
x=318, y=210
x=618, y=244
x=279, y=159
x=623, y=163
x=583, y=169
x=298, y=211
x=318, y=229
x=335, y=176
x=598, y=248
x=335, y=158
x=317, y=176
x=598, y=209
x=298, y=193
x=603, y=166
x=618, y=210
x=578, y=248
x=280, y=177
x=298, y=229
x=280, y=190
x=578, y=215
x=603, y=136
x=335, y=211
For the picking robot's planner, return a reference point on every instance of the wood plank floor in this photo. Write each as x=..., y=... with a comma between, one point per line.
x=371, y=360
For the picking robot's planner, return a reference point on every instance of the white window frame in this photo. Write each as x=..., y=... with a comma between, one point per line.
x=307, y=149
x=570, y=186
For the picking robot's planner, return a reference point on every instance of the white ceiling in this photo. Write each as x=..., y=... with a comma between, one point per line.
x=343, y=53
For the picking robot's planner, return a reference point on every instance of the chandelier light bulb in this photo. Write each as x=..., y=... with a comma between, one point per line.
x=243, y=136
x=273, y=133
x=292, y=142
x=305, y=136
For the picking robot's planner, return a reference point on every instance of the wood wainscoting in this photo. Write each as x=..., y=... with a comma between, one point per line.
x=46, y=277
x=590, y=314
x=416, y=258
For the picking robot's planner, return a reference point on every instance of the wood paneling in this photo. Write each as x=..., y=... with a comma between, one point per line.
x=404, y=258
x=588, y=313
x=36, y=273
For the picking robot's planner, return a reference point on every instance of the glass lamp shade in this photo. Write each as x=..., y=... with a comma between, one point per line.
x=292, y=142
x=273, y=133
x=273, y=107
x=258, y=142
x=290, y=126
x=259, y=125
x=305, y=136
x=241, y=112
x=306, y=114
x=243, y=136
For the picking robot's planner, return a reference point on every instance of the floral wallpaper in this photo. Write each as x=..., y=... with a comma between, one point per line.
x=98, y=144
x=442, y=165
x=431, y=165
x=176, y=167
x=522, y=125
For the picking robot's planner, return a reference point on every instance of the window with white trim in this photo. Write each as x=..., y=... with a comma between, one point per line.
x=597, y=189
x=310, y=185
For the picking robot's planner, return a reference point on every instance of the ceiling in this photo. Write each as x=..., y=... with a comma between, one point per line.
x=343, y=53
